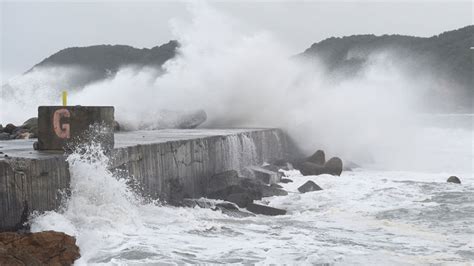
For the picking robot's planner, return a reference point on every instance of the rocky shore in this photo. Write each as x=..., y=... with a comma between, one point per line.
x=42, y=248
x=237, y=195
x=28, y=130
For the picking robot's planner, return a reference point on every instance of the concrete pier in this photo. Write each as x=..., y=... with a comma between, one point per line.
x=167, y=164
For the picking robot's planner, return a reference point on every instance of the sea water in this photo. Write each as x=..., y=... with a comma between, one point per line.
x=370, y=215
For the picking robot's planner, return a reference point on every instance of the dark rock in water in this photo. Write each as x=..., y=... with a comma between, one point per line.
x=202, y=203
x=1, y=128
x=227, y=206
x=265, y=175
x=222, y=181
x=276, y=186
x=309, y=186
x=286, y=180
x=4, y=136
x=333, y=166
x=308, y=168
x=265, y=210
x=9, y=128
x=454, y=179
x=318, y=158
x=43, y=248
x=269, y=191
x=241, y=199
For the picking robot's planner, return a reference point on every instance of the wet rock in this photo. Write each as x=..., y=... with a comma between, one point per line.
x=308, y=168
x=4, y=136
x=265, y=210
x=454, y=179
x=43, y=248
x=241, y=199
x=286, y=180
x=222, y=181
x=227, y=206
x=269, y=191
x=265, y=175
x=1, y=128
x=276, y=186
x=309, y=186
x=201, y=203
x=9, y=128
x=318, y=158
x=333, y=166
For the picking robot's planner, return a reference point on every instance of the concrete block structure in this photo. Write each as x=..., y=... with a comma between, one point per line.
x=166, y=164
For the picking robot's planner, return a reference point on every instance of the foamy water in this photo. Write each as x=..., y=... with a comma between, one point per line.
x=365, y=216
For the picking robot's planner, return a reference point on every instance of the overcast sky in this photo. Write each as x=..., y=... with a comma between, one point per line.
x=31, y=31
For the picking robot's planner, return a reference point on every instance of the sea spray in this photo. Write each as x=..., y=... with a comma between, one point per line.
x=100, y=205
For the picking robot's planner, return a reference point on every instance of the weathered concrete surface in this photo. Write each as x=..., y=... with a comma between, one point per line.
x=166, y=164
x=59, y=127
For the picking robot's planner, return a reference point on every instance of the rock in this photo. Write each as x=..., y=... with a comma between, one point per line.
x=4, y=136
x=9, y=128
x=265, y=210
x=201, y=203
x=43, y=248
x=318, y=158
x=308, y=168
x=269, y=191
x=276, y=186
x=222, y=181
x=1, y=128
x=25, y=135
x=227, y=206
x=309, y=186
x=286, y=180
x=31, y=125
x=454, y=179
x=265, y=175
x=333, y=166
x=241, y=199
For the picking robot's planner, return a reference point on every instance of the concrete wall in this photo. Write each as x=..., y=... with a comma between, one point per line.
x=166, y=170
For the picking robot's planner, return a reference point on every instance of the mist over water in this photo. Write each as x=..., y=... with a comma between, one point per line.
x=397, y=208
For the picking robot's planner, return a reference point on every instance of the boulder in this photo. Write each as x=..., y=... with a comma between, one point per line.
x=309, y=186
x=9, y=128
x=4, y=136
x=333, y=166
x=286, y=180
x=308, y=168
x=222, y=181
x=269, y=191
x=454, y=179
x=265, y=210
x=276, y=186
x=31, y=125
x=1, y=128
x=43, y=248
x=318, y=158
x=241, y=199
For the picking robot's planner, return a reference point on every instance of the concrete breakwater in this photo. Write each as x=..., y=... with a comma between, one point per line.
x=165, y=164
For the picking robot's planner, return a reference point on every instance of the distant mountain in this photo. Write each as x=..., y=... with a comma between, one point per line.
x=447, y=56
x=101, y=61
